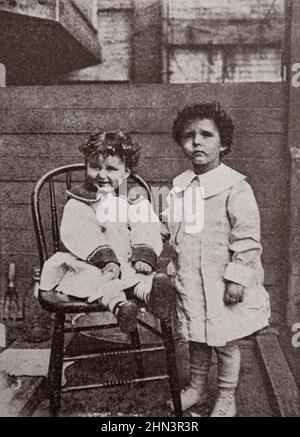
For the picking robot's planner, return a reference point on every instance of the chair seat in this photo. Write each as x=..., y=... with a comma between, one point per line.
x=54, y=302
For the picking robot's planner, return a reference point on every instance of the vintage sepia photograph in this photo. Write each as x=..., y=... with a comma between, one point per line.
x=149, y=217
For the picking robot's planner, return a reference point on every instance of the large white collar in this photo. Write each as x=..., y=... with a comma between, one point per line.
x=213, y=182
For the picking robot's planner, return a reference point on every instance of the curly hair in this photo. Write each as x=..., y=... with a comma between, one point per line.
x=212, y=111
x=111, y=143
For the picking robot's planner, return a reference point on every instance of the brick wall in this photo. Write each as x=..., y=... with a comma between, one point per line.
x=225, y=41
x=218, y=65
x=131, y=36
x=41, y=127
x=115, y=38
x=233, y=9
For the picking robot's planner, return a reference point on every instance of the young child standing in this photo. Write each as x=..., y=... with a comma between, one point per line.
x=112, y=243
x=216, y=268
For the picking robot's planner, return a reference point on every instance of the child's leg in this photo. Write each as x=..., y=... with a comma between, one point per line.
x=158, y=293
x=229, y=364
x=196, y=392
x=126, y=311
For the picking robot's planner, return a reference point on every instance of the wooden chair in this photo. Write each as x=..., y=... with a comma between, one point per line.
x=60, y=305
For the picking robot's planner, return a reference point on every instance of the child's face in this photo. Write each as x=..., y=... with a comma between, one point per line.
x=107, y=172
x=201, y=143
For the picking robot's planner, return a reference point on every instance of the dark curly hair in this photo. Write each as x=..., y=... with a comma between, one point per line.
x=205, y=110
x=111, y=143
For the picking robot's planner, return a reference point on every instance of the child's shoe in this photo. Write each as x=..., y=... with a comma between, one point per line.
x=189, y=397
x=161, y=296
x=196, y=392
x=225, y=405
x=126, y=314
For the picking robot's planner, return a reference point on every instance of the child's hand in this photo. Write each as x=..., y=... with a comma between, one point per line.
x=112, y=269
x=142, y=267
x=234, y=293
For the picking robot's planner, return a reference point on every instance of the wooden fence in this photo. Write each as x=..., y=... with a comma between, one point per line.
x=41, y=128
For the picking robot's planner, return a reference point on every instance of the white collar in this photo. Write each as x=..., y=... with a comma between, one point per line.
x=214, y=181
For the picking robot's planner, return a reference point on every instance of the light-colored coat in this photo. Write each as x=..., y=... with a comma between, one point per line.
x=96, y=232
x=227, y=249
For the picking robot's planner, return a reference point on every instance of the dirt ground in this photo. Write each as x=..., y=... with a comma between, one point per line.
x=150, y=400
x=253, y=395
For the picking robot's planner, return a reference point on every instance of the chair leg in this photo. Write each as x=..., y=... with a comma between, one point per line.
x=166, y=330
x=56, y=364
x=136, y=344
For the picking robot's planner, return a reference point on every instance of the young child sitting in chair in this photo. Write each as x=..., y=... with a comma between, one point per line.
x=112, y=243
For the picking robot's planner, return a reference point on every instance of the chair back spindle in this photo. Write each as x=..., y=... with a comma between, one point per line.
x=54, y=221
x=69, y=180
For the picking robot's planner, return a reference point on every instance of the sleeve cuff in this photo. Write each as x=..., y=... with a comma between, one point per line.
x=145, y=254
x=239, y=274
x=102, y=256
